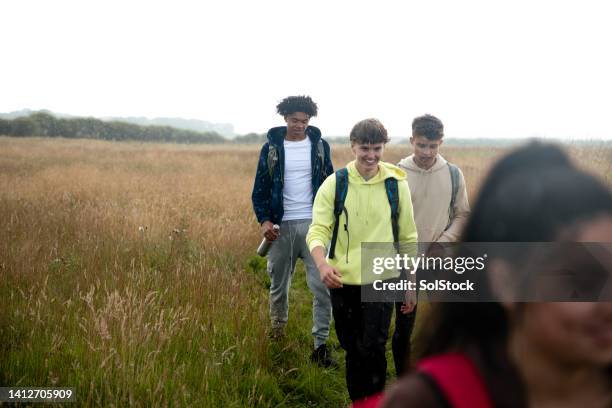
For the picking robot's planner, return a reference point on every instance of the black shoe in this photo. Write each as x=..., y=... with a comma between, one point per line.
x=322, y=357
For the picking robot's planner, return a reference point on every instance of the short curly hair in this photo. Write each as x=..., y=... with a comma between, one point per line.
x=369, y=131
x=428, y=126
x=292, y=104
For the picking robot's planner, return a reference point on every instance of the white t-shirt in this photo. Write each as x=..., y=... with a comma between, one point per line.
x=297, y=187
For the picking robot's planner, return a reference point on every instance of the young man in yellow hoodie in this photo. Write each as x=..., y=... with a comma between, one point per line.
x=362, y=327
x=440, y=206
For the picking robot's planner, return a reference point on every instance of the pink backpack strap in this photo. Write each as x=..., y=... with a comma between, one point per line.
x=458, y=379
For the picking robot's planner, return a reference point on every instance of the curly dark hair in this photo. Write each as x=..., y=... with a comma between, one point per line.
x=292, y=104
x=428, y=126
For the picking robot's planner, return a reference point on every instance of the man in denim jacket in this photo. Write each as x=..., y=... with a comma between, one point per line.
x=292, y=165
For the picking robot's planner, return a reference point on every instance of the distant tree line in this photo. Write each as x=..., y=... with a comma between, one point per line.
x=43, y=124
x=251, y=138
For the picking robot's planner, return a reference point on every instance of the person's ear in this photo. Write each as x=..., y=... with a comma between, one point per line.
x=412, y=140
x=441, y=141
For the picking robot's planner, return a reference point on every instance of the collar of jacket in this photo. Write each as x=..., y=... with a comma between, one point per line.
x=276, y=135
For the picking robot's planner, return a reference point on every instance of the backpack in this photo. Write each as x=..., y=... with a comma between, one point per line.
x=455, y=375
x=342, y=190
x=454, y=173
x=458, y=378
x=273, y=157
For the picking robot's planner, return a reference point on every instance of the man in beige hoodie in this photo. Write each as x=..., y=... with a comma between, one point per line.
x=440, y=203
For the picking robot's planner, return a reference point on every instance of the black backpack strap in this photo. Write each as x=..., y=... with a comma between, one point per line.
x=393, y=196
x=340, y=196
x=454, y=175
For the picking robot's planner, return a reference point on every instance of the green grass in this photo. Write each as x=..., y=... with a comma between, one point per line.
x=152, y=330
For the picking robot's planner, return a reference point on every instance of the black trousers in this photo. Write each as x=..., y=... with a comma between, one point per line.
x=400, y=343
x=363, y=330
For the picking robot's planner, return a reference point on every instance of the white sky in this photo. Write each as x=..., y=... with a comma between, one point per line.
x=486, y=68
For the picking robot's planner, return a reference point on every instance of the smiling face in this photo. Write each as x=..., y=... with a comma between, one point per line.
x=297, y=123
x=578, y=334
x=367, y=156
x=572, y=333
x=425, y=151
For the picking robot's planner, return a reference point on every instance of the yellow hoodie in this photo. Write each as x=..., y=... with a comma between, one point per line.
x=369, y=218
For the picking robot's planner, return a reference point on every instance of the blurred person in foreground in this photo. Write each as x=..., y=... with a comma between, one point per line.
x=372, y=186
x=292, y=165
x=510, y=354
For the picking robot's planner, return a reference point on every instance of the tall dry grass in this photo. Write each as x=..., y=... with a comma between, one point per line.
x=127, y=272
x=123, y=273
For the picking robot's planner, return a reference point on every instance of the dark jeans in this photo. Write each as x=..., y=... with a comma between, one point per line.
x=400, y=344
x=363, y=330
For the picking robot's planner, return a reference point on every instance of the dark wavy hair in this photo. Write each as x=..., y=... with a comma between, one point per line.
x=292, y=104
x=531, y=195
x=428, y=126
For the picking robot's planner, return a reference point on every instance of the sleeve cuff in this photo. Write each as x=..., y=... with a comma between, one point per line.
x=315, y=244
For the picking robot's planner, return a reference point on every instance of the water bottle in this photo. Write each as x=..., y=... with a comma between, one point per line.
x=265, y=245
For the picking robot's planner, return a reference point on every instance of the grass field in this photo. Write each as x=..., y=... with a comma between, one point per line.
x=128, y=272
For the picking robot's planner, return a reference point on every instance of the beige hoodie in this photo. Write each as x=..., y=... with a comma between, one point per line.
x=431, y=195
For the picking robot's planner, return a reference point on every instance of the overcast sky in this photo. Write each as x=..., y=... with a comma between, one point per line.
x=486, y=68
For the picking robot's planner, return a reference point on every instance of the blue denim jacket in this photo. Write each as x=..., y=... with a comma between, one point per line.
x=267, y=194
